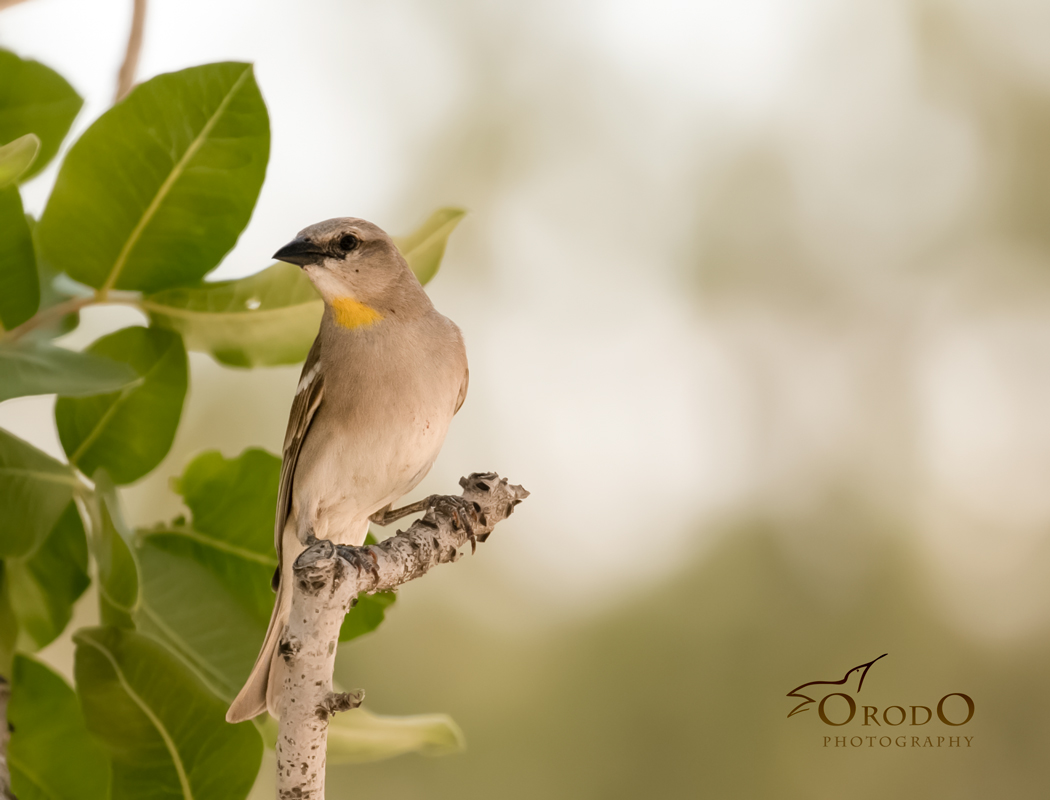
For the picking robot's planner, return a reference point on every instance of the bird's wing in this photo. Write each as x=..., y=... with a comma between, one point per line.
x=307, y=400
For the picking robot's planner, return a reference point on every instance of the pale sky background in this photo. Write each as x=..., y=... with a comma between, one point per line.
x=597, y=145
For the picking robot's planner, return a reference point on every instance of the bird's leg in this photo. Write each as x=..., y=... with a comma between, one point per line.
x=461, y=511
x=304, y=532
x=385, y=516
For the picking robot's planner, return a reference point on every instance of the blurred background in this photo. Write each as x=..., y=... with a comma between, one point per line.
x=756, y=296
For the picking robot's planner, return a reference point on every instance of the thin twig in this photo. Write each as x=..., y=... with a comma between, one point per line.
x=70, y=306
x=55, y=312
x=126, y=77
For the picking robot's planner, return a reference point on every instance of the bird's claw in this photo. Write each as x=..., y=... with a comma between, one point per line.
x=462, y=512
x=363, y=559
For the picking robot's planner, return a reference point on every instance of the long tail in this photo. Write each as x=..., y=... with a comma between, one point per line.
x=254, y=698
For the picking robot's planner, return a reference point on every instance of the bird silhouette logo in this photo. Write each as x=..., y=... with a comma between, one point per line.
x=806, y=700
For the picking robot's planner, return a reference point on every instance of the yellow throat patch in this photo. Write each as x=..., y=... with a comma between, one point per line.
x=351, y=314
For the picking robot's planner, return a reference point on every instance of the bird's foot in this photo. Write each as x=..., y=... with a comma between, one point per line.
x=462, y=512
x=360, y=557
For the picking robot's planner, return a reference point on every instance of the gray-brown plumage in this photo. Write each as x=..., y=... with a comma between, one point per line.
x=377, y=393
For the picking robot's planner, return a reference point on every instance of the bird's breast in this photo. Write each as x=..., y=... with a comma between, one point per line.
x=375, y=436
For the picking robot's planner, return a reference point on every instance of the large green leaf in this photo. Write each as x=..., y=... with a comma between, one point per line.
x=35, y=99
x=158, y=189
x=51, y=754
x=165, y=732
x=233, y=500
x=19, y=285
x=118, y=580
x=16, y=156
x=206, y=583
x=206, y=599
x=263, y=320
x=46, y=582
x=130, y=431
x=34, y=491
x=34, y=367
x=424, y=248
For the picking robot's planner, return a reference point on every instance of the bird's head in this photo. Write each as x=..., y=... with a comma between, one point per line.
x=347, y=259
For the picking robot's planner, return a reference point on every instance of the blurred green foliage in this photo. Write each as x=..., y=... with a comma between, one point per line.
x=147, y=202
x=680, y=690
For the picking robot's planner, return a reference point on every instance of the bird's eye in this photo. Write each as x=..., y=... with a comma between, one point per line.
x=348, y=242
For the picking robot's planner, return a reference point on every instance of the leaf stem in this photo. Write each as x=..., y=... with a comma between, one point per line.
x=70, y=306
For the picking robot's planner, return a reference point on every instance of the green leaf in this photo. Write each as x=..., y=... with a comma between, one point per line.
x=158, y=189
x=118, y=579
x=128, y=432
x=366, y=616
x=233, y=500
x=165, y=732
x=263, y=320
x=34, y=367
x=424, y=248
x=34, y=491
x=45, y=583
x=209, y=603
x=51, y=754
x=35, y=99
x=206, y=583
x=16, y=156
x=359, y=735
x=19, y=285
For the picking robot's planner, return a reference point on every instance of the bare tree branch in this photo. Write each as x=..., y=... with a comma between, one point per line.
x=126, y=76
x=328, y=579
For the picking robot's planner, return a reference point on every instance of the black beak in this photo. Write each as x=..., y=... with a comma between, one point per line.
x=300, y=251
